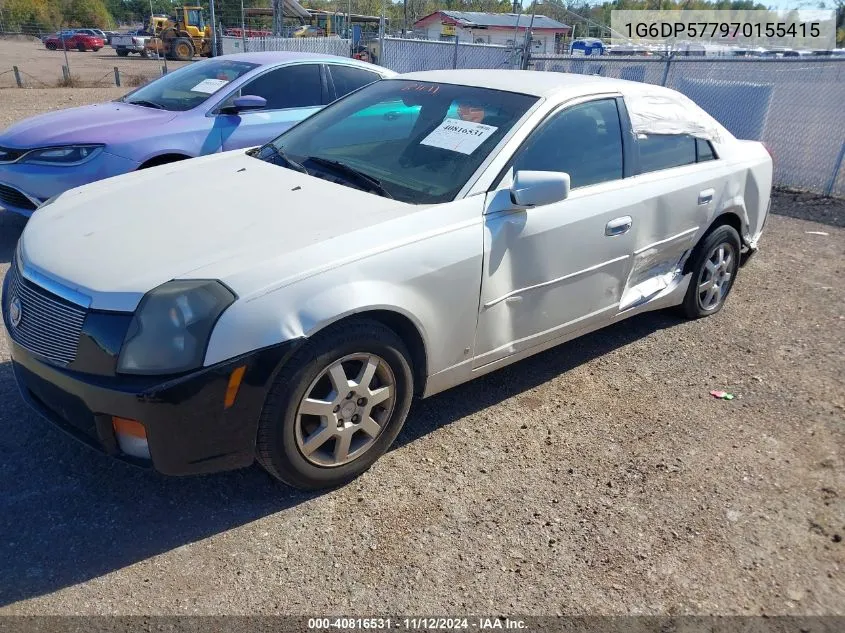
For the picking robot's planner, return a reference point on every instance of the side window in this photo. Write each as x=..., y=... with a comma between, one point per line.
x=585, y=141
x=704, y=150
x=297, y=86
x=664, y=151
x=347, y=78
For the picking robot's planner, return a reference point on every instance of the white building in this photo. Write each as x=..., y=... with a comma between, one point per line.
x=492, y=28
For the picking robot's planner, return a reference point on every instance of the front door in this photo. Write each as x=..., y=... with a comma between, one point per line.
x=293, y=93
x=554, y=270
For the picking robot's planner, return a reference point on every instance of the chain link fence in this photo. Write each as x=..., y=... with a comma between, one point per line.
x=26, y=62
x=317, y=45
x=409, y=55
x=793, y=105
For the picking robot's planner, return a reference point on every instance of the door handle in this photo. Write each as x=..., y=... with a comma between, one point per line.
x=618, y=226
x=705, y=197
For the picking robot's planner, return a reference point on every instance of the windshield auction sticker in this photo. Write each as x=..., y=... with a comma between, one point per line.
x=459, y=136
x=209, y=86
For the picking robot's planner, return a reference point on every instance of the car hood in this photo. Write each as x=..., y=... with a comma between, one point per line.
x=99, y=123
x=212, y=218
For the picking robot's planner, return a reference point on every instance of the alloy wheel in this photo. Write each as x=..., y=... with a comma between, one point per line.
x=345, y=409
x=715, y=278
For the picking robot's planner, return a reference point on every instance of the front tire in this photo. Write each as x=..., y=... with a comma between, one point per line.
x=122, y=53
x=337, y=406
x=715, y=263
x=182, y=49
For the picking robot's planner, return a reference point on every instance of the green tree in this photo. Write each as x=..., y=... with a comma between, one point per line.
x=29, y=15
x=91, y=13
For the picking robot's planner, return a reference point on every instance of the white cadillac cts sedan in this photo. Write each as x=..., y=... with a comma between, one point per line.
x=286, y=303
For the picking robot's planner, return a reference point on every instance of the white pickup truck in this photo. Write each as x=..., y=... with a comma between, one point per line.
x=125, y=43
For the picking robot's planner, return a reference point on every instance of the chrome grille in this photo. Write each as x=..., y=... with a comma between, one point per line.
x=49, y=326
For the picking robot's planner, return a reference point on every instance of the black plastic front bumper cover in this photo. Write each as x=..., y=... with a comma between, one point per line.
x=188, y=428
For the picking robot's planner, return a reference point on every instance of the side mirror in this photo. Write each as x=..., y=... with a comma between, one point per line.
x=536, y=188
x=245, y=104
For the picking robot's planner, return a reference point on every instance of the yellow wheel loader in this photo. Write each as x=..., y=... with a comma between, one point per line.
x=182, y=36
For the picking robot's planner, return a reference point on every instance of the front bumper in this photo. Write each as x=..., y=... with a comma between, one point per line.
x=24, y=187
x=188, y=427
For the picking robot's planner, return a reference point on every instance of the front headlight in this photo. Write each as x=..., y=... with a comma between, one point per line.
x=171, y=327
x=67, y=156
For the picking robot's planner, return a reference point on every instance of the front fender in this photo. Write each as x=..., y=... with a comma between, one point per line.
x=303, y=311
x=336, y=304
x=433, y=281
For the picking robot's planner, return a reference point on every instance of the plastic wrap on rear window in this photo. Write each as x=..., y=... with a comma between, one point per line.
x=671, y=113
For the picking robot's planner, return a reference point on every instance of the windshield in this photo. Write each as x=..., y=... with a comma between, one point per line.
x=195, y=18
x=190, y=86
x=418, y=142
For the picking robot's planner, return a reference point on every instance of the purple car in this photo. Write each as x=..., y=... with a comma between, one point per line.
x=215, y=105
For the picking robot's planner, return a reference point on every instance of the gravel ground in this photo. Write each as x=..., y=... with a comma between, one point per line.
x=596, y=478
x=16, y=104
x=42, y=68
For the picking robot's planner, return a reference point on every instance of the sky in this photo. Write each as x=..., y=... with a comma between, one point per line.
x=772, y=4
x=794, y=4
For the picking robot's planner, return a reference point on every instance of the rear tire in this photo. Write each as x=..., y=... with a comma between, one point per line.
x=346, y=434
x=122, y=53
x=80, y=47
x=715, y=262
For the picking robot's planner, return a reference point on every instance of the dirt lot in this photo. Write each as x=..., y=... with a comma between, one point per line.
x=41, y=68
x=597, y=478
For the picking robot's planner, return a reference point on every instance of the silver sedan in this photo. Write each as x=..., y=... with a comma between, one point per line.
x=416, y=234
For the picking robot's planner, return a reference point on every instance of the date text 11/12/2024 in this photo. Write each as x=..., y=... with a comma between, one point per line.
x=417, y=624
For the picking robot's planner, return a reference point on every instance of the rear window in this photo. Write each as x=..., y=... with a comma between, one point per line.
x=704, y=150
x=348, y=78
x=664, y=151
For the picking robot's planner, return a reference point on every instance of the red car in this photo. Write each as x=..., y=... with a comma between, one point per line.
x=79, y=41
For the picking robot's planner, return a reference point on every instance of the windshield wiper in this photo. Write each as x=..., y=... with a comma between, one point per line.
x=149, y=104
x=371, y=183
x=275, y=151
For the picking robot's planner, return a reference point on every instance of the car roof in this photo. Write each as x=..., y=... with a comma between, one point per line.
x=652, y=109
x=531, y=82
x=274, y=57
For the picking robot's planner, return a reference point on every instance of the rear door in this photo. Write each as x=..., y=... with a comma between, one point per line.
x=343, y=79
x=292, y=92
x=678, y=188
